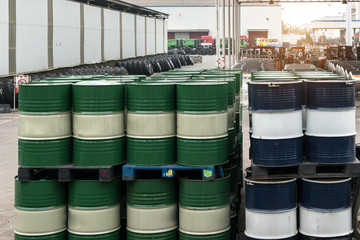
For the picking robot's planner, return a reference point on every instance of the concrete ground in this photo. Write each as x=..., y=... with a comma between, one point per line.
x=8, y=156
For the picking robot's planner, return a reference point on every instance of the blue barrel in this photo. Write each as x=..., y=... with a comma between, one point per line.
x=330, y=121
x=277, y=122
x=325, y=208
x=304, y=237
x=270, y=209
x=270, y=195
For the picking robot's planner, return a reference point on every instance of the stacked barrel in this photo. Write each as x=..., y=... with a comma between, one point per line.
x=152, y=210
x=325, y=209
x=94, y=209
x=202, y=123
x=44, y=124
x=98, y=123
x=151, y=128
x=330, y=121
x=277, y=135
x=204, y=209
x=271, y=209
x=40, y=210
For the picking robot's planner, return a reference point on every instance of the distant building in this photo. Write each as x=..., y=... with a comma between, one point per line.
x=194, y=18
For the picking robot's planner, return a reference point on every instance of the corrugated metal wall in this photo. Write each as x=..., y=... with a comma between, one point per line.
x=37, y=35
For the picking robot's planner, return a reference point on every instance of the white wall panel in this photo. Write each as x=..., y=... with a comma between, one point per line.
x=140, y=35
x=150, y=35
x=66, y=38
x=159, y=36
x=128, y=35
x=31, y=35
x=111, y=35
x=92, y=34
x=4, y=37
x=165, y=36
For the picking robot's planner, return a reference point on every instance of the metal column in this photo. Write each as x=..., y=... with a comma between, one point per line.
x=348, y=25
x=229, y=34
x=217, y=34
x=223, y=33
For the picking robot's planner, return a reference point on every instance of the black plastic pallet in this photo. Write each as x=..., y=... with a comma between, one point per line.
x=307, y=170
x=67, y=173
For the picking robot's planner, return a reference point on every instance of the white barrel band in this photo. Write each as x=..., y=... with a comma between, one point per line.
x=324, y=224
x=270, y=225
x=40, y=222
x=201, y=126
x=335, y=123
x=231, y=117
x=204, y=221
x=44, y=126
x=94, y=221
x=151, y=125
x=98, y=126
x=152, y=220
x=277, y=125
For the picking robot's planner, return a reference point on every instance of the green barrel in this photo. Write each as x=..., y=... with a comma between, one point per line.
x=230, y=72
x=151, y=119
x=40, y=209
x=231, y=141
x=152, y=208
x=220, y=236
x=98, y=123
x=237, y=123
x=44, y=124
x=231, y=170
x=56, y=236
x=107, y=236
x=202, y=123
x=94, y=207
x=204, y=206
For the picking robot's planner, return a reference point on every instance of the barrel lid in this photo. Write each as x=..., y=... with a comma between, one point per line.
x=44, y=84
x=164, y=80
x=157, y=83
x=209, y=83
x=96, y=83
x=327, y=180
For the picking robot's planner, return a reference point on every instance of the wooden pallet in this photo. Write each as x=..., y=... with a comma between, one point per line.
x=67, y=173
x=307, y=170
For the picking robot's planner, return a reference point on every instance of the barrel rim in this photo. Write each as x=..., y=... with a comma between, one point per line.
x=275, y=82
x=201, y=83
x=146, y=83
x=45, y=84
x=187, y=179
x=329, y=180
x=93, y=83
x=269, y=181
x=329, y=81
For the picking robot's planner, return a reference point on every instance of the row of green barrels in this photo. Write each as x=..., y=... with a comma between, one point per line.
x=204, y=109
x=156, y=209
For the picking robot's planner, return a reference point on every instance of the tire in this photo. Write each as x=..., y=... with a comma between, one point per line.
x=203, y=51
x=182, y=60
x=189, y=60
x=210, y=51
x=2, y=97
x=194, y=52
x=188, y=50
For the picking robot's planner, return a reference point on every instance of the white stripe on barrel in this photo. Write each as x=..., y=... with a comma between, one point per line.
x=44, y=126
x=330, y=123
x=204, y=221
x=98, y=126
x=94, y=221
x=40, y=222
x=325, y=224
x=152, y=220
x=151, y=125
x=277, y=125
x=270, y=225
x=201, y=126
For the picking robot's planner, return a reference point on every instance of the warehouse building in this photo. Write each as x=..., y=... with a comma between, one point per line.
x=192, y=19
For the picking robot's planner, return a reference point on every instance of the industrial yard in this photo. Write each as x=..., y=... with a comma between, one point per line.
x=179, y=120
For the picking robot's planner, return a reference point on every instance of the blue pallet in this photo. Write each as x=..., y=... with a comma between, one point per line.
x=169, y=171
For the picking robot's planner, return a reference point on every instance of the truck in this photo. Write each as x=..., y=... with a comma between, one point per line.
x=176, y=44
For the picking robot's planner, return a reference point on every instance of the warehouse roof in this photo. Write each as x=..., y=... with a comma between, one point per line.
x=125, y=7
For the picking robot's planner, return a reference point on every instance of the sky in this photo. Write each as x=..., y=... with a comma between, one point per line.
x=303, y=13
